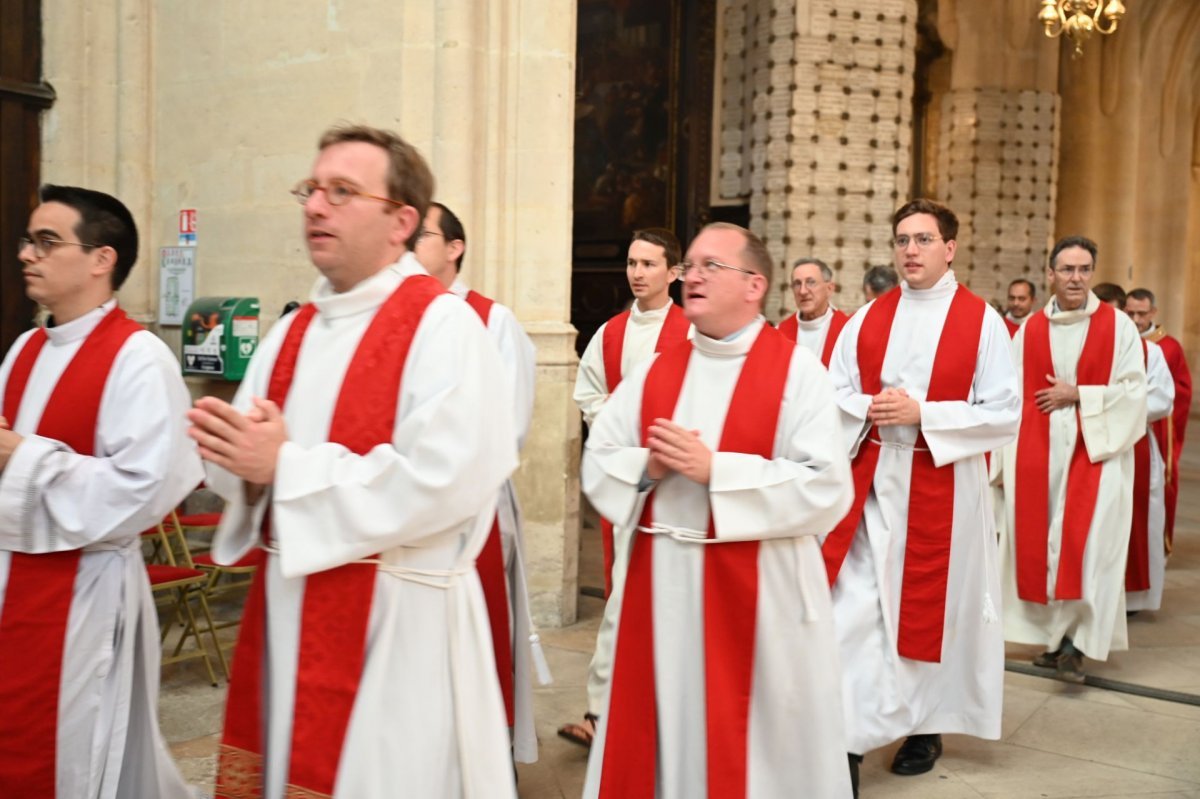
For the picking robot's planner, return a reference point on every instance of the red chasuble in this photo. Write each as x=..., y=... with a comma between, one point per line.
x=337, y=602
x=37, y=601
x=730, y=594
x=931, y=492
x=1137, y=566
x=490, y=565
x=790, y=328
x=1032, y=500
x=674, y=330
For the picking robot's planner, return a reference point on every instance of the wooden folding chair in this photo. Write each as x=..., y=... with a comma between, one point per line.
x=177, y=582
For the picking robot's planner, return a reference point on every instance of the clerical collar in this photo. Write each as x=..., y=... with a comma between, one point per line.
x=735, y=345
x=636, y=314
x=945, y=287
x=80, y=327
x=1059, y=316
x=1151, y=332
x=815, y=324
x=366, y=295
x=459, y=289
x=1008, y=315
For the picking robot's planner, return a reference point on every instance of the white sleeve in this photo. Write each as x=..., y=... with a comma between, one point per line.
x=53, y=499
x=591, y=385
x=1113, y=416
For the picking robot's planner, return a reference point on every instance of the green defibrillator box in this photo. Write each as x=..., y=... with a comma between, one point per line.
x=219, y=336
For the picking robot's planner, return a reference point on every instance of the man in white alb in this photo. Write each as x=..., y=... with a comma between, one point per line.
x=96, y=453
x=364, y=452
x=816, y=324
x=441, y=246
x=720, y=459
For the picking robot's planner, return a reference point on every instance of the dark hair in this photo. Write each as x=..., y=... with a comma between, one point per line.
x=1142, y=294
x=947, y=222
x=826, y=272
x=663, y=238
x=104, y=221
x=881, y=279
x=452, y=230
x=1073, y=241
x=1029, y=283
x=1110, y=292
x=409, y=180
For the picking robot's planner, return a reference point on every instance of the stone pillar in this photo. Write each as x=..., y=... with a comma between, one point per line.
x=182, y=105
x=998, y=142
x=829, y=91
x=997, y=162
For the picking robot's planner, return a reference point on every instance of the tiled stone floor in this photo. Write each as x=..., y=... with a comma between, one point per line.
x=1059, y=741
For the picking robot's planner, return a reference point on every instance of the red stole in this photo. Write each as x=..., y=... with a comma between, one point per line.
x=37, y=601
x=931, y=491
x=1032, y=500
x=730, y=595
x=490, y=566
x=1137, y=566
x=337, y=602
x=674, y=330
x=1012, y=326
x=790, y=327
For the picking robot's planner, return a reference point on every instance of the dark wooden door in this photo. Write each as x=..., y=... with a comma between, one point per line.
x=23, y=97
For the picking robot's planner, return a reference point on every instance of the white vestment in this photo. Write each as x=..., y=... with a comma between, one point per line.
x=795, y=746
x=591, y=392
x=1113, y=418
x=811, y=333
x=428, y=714
x=53, y=500
x=519, y=357
x=1160, y=399
x=888, y=696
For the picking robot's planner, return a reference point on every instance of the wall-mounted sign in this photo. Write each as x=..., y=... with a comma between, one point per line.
x=187, y=227
x=176, y=283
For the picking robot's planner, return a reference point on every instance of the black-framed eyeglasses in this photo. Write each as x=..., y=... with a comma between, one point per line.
x=44, y=245
x=710, y=266
x=923, y=240
x=337, y=192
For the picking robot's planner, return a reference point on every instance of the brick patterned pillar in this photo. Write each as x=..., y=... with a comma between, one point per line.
x=997, y=167
x=816, y=109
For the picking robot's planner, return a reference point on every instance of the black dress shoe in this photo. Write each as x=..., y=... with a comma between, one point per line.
x=855, y=762
x=1048, y=660
x=917, y=754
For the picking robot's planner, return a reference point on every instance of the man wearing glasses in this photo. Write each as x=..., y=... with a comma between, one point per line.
x=722, y=461
x=441, y=245
x=926, y=387
x=1068, y=480
x=93, y=450
x=364, y=452
x=816, y=324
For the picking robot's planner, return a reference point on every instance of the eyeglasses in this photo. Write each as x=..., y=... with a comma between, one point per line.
x=44, y=245
x=424, y=233
x=923, y=240
x=811, y=284
x=338, y=192
x=1071, y=271
x=709, y=267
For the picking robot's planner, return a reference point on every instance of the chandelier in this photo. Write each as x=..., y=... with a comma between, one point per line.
x=1078, y=19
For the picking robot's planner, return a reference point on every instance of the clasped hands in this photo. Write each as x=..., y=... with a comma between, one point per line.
x=244, y=444
x=1059, y=395
x=893, y=406
x=676, y=449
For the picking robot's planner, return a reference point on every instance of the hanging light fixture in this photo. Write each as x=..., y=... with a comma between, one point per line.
x=1078, y=19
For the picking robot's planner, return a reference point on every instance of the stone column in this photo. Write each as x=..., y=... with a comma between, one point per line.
x=998, y=142
x=182, y=105
x=829, y=93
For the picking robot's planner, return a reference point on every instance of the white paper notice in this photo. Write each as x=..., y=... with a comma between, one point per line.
x=176, y=283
